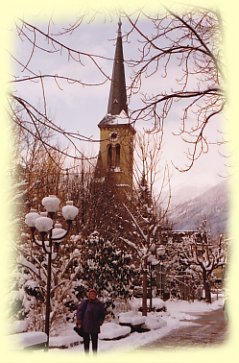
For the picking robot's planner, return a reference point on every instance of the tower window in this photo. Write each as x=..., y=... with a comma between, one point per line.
x=109, y=156
x=113, y=157
x=117, y=156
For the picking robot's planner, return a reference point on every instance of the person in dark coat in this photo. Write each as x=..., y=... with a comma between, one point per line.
x=90, y=316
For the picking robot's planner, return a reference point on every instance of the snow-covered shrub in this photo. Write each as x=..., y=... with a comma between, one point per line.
x=111, y=331
x=107, y=268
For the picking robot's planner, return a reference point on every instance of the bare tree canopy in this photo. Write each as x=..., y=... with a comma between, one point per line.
x=175, y=71
x=184, y=49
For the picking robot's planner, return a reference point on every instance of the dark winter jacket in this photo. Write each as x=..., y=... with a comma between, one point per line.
x=91, y=314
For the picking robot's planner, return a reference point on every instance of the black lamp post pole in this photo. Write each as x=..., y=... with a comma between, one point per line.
x=48, y=286
x=144, y=297
x=151, y=288
x=48, y=292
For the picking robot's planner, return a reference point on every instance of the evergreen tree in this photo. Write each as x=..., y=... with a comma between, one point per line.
x=109, y=268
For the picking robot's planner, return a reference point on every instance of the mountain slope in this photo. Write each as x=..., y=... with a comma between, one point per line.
x=212, y=205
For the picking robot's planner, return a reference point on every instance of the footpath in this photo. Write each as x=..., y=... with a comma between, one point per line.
x=210, y=328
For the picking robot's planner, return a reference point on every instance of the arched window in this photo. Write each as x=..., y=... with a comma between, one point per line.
x=117, y=156
x=109, y=156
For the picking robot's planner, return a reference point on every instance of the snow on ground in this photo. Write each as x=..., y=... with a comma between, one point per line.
x=18, y=326
x=179, y=314
x=27, y=339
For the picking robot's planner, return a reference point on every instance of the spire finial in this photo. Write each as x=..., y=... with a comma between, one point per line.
x=119, y=24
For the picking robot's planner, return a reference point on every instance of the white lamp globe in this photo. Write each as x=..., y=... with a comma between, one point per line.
x=43, y=224
x=31, y=217
x=161, y=250
x=69, y=211
x=150, y=258
x=51, y=203
x=58, y=232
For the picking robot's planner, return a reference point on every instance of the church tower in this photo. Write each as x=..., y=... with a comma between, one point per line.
x=115, y=160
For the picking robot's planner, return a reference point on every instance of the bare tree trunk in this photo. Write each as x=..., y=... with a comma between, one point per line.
x=208, y=292
x=207, y=288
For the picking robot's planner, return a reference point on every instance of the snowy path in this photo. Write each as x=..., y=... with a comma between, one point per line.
x=209, y=328
x=182, y=316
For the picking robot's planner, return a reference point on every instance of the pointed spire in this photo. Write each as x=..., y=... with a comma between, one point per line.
x=119, y=27
x=118, y=98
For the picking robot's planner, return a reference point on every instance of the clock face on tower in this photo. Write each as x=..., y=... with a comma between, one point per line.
x=114, y=136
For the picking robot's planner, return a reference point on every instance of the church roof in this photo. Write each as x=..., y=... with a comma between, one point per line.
x=116, y=120
x=117, y=103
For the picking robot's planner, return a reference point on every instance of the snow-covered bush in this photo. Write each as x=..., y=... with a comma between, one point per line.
x=111, y=331
x=107, y=268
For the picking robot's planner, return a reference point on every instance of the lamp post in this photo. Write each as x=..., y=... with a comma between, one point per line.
x=51, y=235
x=152, y=262
x=160, y=253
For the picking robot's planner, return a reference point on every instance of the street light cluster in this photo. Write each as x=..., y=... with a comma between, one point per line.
x=43, y=221
x=44, y=224
x=52, y=234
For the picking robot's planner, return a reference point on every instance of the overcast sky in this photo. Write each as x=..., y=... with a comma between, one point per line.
x=78, y=108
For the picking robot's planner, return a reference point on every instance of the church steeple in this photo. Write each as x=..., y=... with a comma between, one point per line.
x=118, y=98
x=115, y=162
